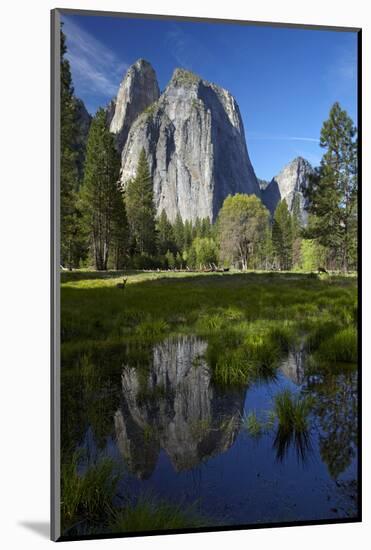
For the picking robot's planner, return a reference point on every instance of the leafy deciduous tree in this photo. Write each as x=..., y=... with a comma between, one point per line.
x=242, y=223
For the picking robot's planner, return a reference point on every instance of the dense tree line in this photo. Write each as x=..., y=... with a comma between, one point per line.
x=109, y=226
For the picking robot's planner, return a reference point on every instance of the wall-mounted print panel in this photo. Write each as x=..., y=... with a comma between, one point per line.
x=205, y=307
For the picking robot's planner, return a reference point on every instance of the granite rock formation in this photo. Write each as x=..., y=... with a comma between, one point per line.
x=194, y=139
x=289, y=185
x=137, y=91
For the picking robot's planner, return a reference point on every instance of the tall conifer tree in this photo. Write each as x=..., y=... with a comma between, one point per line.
x=282, y=236
x=101, y=195
x=332, y=191
x=69, y=213
x=140, y=208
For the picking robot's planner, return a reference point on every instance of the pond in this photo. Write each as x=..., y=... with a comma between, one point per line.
x=181, y=438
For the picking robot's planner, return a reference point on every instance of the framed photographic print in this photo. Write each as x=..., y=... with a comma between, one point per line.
x=206, y=184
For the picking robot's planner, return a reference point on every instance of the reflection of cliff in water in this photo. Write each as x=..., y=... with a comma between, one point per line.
x=174, y=406
x=293, y=367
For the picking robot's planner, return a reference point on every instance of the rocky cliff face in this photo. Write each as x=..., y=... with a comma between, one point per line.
x=137, y=91
x=194, y=139
x=289, y=185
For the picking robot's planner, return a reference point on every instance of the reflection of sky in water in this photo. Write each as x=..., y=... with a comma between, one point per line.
x=193, y=448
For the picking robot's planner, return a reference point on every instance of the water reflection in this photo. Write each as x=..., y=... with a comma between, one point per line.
x=335, y=408
x=175, y=407
x=333, y=395
x=299, y=441
x=293, y=367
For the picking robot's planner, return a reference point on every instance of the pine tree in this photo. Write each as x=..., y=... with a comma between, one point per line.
x=265, y=252
x=71, y=244
x=206, y=227
x=120, y=232
x=178, y=230
x=140, y=208
x=188, y=234
x=332, y=191
x=165, y=235
x=282, y=237
x=101, y=195
x=296, y=231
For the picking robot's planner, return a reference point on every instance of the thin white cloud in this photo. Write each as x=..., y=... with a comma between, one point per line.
x=267, y=137
x=186, y=48
x=342, y=74
x=95, y=68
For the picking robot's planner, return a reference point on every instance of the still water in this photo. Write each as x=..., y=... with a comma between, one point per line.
x=183, y=439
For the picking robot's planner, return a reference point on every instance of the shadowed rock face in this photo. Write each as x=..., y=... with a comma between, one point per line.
x=176, y=409
x=194, y=139
x=289, y=185
x=137, y=91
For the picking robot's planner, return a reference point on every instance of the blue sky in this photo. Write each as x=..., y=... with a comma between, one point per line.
x=284, y=80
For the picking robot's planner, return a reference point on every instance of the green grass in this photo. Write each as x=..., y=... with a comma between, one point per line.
x=249, y=320
x=340, y=347
x=87, y=497
x=292, y=412
x=87, y=504
x=151, y=515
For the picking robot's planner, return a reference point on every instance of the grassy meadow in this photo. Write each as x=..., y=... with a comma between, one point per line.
x=249, y=321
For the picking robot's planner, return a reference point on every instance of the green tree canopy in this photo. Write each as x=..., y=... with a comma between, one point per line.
x=203, y=252
x=313, y=255
x=242, y=224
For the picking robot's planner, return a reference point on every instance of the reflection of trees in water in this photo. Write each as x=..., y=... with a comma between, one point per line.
x=90, y=394
x=335, y=406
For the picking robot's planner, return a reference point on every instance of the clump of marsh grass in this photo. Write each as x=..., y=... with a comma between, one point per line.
x=248, y=353
x=292, y=411
x=88, y=496
x=210, y=323
x=292, y=414
x=151, y=515
x=340, y=348
x=151, y=329
x=320, y=330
